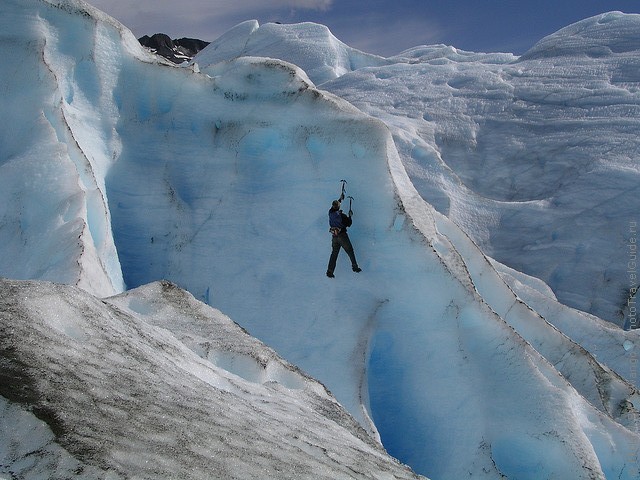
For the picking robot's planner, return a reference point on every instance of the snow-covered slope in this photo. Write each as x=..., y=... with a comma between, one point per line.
x=154, y=384
x=221, y=181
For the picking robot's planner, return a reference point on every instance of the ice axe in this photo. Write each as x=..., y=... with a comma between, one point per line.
x=350, y=203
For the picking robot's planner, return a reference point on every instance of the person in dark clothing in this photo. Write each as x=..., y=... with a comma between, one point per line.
x=338, y=224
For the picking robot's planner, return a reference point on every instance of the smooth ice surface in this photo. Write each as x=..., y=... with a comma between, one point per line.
x=218, y=177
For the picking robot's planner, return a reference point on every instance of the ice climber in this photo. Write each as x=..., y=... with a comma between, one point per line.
x=338, y=224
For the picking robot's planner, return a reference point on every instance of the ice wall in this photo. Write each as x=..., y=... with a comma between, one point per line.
x=62, y=64
x=414, y=341
x=534, y=157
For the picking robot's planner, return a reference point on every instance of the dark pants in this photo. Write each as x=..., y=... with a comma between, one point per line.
x=341, y=240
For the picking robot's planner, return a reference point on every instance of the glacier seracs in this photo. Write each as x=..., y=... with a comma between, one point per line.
x=535, y=157
x=556, y=127
x=218, y=178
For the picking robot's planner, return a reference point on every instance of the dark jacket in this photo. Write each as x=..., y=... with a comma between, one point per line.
x=338, y=221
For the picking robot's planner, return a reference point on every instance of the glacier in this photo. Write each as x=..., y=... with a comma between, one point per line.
x=556, y=127
x=119, y=169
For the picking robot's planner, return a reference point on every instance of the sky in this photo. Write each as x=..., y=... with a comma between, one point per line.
x=383, y=27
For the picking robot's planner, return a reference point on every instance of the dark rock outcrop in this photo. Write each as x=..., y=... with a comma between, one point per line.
x=176, y=50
